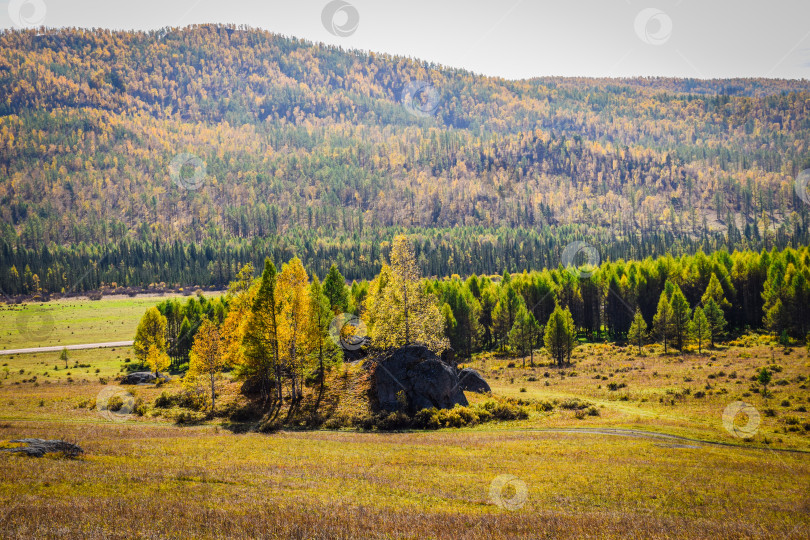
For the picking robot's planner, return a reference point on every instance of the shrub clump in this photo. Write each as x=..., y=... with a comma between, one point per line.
x=575, y=404
x=188, y=417
x=185, y=400
x=115, y=403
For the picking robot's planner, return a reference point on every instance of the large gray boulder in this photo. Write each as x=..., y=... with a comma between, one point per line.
x=425, y=379
x=141, y=377
x=471, y=381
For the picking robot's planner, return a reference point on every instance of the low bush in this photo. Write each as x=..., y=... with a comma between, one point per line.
x=185, y=400
x=139, y=408
x=427, y=419
x=544, y=406
x=189, y=418
x=341, y=420
x=164, y=401
x=575, y=404
x=503, y=410
x=393, y=421
x=242, y=412
x=115, y=403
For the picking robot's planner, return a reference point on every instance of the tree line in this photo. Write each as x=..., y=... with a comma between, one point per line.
x=279, y=332
x=141, y=264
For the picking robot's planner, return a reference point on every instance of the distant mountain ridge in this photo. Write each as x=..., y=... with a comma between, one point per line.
x=311, y=149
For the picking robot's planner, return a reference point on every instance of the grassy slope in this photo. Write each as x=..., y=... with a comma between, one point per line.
x=146, y=476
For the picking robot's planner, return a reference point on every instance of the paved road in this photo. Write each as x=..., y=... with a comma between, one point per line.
x=68, y=347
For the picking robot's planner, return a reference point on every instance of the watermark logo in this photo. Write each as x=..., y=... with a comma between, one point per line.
x=735, y=409
x=115, y=404
x=340, y=18
x=36, y=323
x=508, y=492
x=653, y=26
x=27, y=13
x=420, y=98
x=573, y=262
x=348, y=331
x=187, y=171
x=800, y=185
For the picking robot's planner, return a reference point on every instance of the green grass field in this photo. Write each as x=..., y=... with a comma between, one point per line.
x=71, y=321
x=554, y=475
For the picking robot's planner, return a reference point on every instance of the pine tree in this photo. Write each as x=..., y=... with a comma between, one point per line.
x=505, y=312
x=716, y=320
x=488, y=302
x=560, y=335
x=662, y=322
x=334, y=287
x=185, y=337
x=680, y=318
x=638, y=330
x=699, y=329
x=524, y=334
x=764, y=378
x=714, y=291
x=468, y=323
x=323, y=350
x=261, y=351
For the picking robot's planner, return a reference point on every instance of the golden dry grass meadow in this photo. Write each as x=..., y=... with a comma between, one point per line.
x=651, y=459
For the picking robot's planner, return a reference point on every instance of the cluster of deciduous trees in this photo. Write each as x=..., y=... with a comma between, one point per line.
x=278, y=331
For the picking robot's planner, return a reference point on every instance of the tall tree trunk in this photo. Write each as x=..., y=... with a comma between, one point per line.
x=323, y=377
x=213, y=394
x=407, y=322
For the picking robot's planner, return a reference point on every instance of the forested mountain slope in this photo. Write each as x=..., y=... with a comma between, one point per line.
x=311, y=151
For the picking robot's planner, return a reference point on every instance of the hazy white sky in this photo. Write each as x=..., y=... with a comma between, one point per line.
x=510, y=38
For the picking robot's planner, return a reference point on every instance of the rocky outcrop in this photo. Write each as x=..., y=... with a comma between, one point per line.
x=424, y=378
x=142, y=377
x=471, y=381
x=40, y=447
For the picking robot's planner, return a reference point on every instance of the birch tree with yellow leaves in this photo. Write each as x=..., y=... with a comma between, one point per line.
x=399, y=310
x=206, y=360
x=293, y=298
